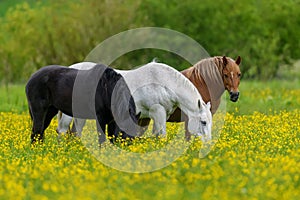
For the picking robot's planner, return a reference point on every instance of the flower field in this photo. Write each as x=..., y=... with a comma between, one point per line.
x=256, y=157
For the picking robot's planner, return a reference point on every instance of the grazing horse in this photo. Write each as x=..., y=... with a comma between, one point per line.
x=83, y=94
x=158, y=90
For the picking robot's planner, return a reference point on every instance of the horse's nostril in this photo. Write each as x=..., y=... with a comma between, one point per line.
x=234, y=93
x=234, y=96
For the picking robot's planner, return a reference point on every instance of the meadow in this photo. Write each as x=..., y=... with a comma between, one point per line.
x=257, y=155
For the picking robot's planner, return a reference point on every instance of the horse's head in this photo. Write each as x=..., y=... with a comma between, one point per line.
x=130, y=131
x=200, y=125
x=231, y=76
x=129, y=123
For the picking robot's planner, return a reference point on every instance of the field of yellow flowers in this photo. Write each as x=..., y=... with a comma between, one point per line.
x=256, y=157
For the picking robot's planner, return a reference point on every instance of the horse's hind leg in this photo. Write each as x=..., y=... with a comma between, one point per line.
x=30, y=112
x=101, y=125
x=51, y=112
x=78, y=125
x=158, y=113
x=38, y=118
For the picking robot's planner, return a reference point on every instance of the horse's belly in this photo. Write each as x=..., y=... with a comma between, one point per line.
x=176, y=116
x=144, y=105
x=151, y=95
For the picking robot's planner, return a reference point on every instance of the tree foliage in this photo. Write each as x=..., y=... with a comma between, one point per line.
x=264, y=33
x=62, y=32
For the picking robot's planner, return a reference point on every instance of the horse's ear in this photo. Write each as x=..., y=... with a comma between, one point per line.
x=225, y=60
x=238, y=60
x=138, y=115
x=208, y=105
x=199, y=103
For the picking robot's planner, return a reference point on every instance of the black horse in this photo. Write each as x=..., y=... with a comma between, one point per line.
x=99, y=93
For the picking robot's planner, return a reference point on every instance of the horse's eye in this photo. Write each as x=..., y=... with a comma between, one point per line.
x=203, y=123
x=225, y=75
x=239, y=75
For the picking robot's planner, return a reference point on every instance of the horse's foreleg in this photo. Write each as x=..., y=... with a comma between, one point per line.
x=113, y=131
x=63, y=123
x=187, y=133
x=158, y=113
x=184, y=118
x=101, y=129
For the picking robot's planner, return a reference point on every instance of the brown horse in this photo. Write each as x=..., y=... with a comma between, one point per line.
x=211, y=76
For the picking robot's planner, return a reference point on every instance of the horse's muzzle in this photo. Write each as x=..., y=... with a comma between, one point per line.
x=234, y=96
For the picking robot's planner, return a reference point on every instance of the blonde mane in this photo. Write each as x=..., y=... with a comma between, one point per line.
x=210, y=71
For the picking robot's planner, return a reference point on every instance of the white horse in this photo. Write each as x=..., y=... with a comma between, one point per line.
x=158, y=90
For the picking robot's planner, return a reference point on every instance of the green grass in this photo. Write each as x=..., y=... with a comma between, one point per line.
x=265, y=97
x=13, y=98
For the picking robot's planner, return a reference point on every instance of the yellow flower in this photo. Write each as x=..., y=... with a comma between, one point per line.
x=256, y=157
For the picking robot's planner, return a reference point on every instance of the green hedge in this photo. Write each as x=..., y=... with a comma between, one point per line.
x=264, y=33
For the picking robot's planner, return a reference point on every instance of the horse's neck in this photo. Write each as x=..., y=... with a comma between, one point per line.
x=198, y=82
x=187, y=97
x=188, y=105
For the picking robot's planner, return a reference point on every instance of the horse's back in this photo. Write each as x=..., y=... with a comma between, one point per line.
x=151, y=73
x=51, y=86
x=43, y=76
x=51, y=71
x=83, y=65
